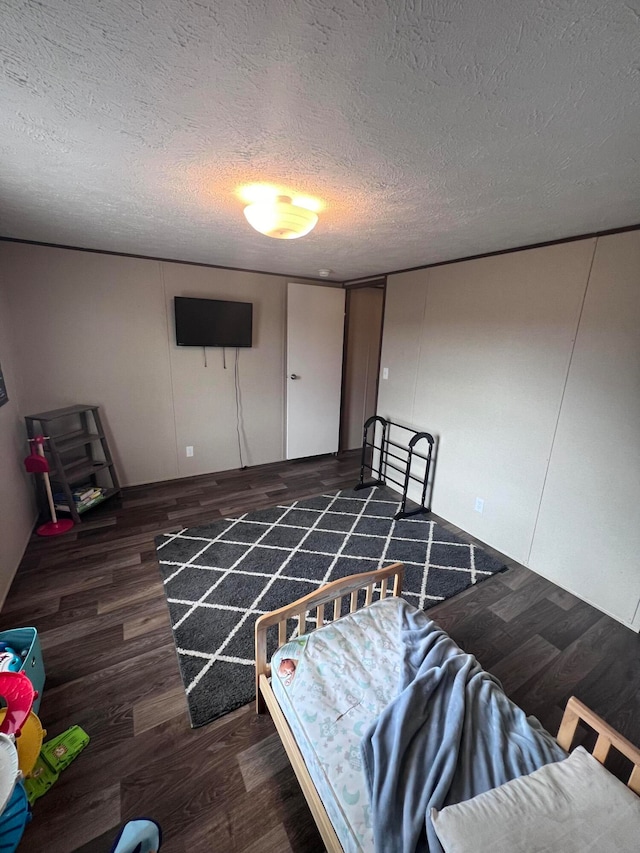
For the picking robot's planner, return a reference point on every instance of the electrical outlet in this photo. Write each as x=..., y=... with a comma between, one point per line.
x=479, y=507
x=189, y=450
x=385, y=372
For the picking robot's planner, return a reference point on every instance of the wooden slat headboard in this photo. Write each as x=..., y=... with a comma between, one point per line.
x=576, y=712
x=331, y=593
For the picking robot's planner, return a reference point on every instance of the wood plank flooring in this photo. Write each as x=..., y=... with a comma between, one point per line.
x=96, y=597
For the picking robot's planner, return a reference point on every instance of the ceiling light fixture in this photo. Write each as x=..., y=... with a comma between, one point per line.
x=280, y=218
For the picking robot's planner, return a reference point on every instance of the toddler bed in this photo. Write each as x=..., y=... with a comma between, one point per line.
x=398, y=738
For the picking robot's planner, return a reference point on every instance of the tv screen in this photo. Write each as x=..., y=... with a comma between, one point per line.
x=213, y=323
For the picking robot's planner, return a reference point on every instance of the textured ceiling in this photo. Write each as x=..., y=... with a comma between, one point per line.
x=431, y=130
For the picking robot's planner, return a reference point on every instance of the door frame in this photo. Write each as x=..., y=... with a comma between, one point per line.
x=378, y=282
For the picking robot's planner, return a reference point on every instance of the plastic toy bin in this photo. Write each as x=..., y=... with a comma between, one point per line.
x=32, y=665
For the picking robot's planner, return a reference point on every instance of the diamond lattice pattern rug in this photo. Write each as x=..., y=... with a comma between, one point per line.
x=218, y=578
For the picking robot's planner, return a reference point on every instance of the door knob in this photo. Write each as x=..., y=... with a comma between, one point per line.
x=294, y=376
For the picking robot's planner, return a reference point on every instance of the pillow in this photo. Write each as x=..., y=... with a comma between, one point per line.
x=572, y=806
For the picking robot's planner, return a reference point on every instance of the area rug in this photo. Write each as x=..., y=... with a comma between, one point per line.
x=219, y=577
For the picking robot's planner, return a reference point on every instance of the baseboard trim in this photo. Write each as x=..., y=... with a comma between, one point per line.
x=627, y=624
x=6, y=586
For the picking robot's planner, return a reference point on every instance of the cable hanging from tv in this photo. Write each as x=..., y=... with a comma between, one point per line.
x=238, y=409
x=216, y=323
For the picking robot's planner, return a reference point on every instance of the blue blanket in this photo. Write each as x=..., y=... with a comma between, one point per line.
x=451, y=734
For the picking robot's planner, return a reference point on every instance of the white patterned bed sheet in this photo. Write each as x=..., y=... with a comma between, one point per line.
x=346, y=673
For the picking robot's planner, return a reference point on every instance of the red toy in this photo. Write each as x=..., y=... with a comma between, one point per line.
x=36, y=463
x=18, y=694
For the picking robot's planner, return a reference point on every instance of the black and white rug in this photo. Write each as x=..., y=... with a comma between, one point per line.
x=218, y=578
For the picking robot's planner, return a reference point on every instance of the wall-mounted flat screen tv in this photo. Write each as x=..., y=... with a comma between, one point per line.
x=213, y=323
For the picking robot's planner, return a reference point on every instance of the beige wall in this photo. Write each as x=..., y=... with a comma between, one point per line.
x=588, y=532
x=361, y=367
x=204, y=397
x=92, y=329
x=481, y=353
x=17, y=506
x=96, y=328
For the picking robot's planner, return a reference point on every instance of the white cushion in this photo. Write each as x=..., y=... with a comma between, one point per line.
x=572, y=806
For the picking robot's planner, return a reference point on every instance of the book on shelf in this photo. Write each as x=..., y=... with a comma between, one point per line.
x=85, y=492
x=80, y=494
x=95, y=496
x=81, y=506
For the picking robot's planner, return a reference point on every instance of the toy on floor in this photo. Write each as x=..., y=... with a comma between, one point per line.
x=55, y=756
x=138, y=836
x=18, y=694
x=29, y=744
x=14, y=819
x=60, y=751
x=26, y=643
x=9, y=770
x=42, y=777
x=36, y=463
x=14, y=810
x=10, y=659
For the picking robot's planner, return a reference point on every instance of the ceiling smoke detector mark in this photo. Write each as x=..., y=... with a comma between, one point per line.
x=324, y=273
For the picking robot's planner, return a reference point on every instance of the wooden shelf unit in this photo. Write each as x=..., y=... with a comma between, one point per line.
x=77, y=451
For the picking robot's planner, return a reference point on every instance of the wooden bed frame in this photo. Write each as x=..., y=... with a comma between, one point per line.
x=371, y=582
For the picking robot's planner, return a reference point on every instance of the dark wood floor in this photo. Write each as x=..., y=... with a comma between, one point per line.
x=96, y=597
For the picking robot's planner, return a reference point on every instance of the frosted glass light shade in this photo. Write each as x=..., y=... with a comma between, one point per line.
x=280, y=218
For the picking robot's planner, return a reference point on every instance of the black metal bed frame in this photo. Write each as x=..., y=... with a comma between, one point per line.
x=384, y=464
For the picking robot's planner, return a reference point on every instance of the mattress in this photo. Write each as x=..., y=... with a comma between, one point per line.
x=331, y=685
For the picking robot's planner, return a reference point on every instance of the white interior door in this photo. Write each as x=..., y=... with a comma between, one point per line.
x=315, y=332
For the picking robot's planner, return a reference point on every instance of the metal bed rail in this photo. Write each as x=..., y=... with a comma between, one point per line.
x=381, y=454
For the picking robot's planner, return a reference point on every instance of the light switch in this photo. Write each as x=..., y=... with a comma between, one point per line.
x=385, y=372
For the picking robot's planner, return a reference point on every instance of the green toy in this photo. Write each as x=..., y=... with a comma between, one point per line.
x=60, y=751
x=55, y=756
x=40, y=780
